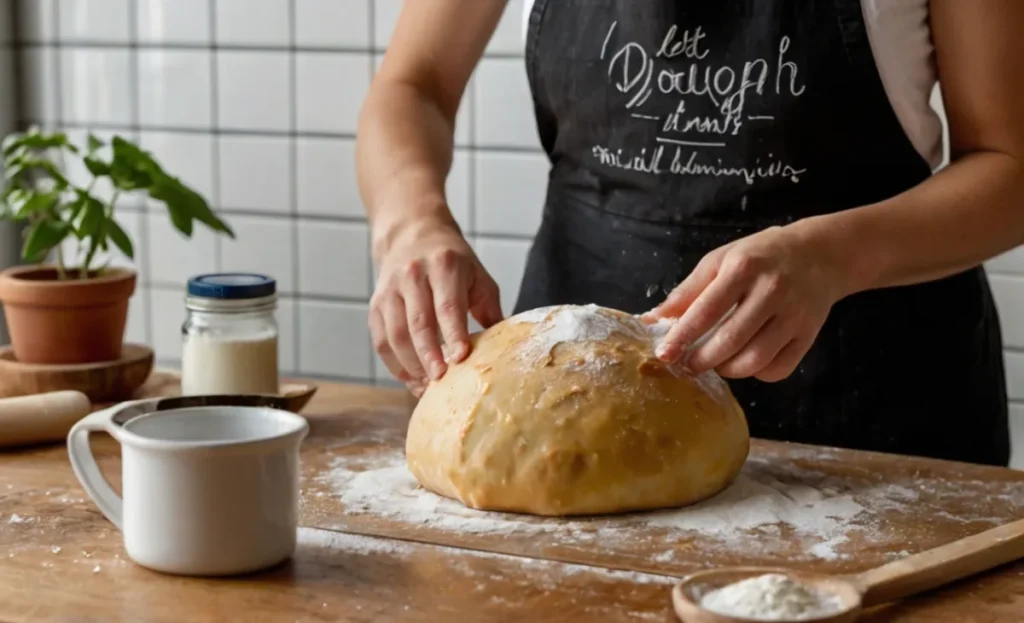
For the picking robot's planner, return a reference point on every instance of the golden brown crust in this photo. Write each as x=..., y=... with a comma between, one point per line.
x=533, y=423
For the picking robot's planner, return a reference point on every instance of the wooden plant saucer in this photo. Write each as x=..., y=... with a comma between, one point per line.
x=107, y=381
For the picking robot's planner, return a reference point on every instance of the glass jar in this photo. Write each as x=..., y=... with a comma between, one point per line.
x=229, y=338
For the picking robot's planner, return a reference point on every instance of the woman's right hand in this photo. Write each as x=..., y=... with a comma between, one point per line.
x=429, y=280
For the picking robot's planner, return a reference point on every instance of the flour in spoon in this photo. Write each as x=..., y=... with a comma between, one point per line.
x=772, y=597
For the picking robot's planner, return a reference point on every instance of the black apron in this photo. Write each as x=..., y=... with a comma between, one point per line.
x=676, y=126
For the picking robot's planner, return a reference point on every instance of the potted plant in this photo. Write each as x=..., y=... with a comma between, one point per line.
x=63, y=310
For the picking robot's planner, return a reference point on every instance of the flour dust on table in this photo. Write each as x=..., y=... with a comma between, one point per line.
x=767, y=509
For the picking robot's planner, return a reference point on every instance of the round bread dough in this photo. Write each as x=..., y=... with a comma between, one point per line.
x=565, y=410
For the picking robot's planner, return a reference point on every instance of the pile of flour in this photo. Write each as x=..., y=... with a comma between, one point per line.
x=772, y=597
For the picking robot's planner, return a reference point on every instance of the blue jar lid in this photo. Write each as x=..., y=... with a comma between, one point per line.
x=231, y=286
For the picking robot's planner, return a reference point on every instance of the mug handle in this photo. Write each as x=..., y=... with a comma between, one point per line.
x=88, y=472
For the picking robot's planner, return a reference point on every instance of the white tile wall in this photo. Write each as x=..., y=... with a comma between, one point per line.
x=253, y=90
x=173, y=21
x=334, y=259
x=252, y=22
x=1009, y=294
x=255, y=102
x=263, y=244
x=329, y=90
x=510, y=191
x=333, y=339
x=106, y=21
x=326, y=177
x=190, y=256
x=92, y=86
x=504, y=109
x=174, y=89
x=255, y=173
x=38, y=84
x=329, y=23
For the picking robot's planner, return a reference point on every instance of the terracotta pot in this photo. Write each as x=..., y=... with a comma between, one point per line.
x=55, y=321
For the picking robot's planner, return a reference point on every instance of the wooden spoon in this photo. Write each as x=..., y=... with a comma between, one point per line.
x=890, y=582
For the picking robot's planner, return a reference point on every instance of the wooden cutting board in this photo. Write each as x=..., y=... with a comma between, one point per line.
x=837, y=510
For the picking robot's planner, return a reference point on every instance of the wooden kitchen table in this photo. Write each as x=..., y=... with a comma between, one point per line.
x=60, y=560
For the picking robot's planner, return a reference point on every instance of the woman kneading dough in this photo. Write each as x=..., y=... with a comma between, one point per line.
x=767, y=166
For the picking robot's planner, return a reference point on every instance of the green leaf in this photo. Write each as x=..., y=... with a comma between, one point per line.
x=120, y=238
x=127, y=177
x=50, y=168
x=42, y=236
x=36, y=141
x=15, y=158
x=75, y=207
x=89, y=220
x=14, y=171
x=10, y=143
x=181, y=220
x=96, y=166
x=179, y=197
x=134, y=157
x=93, y=144
x=30, y=204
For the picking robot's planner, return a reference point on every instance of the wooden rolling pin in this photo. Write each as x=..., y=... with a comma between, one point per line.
x=40, y=418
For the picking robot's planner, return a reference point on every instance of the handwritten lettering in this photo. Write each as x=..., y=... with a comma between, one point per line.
x=711, y=102
x=689, y=46
x=686, y=162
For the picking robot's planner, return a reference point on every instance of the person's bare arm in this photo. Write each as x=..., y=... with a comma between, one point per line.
x=429, y=277
x=407, y=123
x=974, y=208
x=784, y=280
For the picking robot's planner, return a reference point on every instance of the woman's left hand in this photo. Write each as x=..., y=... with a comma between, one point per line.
x=782, y=283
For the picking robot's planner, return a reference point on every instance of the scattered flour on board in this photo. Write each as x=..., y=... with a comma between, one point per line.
x=762, y=503
x=772, y=597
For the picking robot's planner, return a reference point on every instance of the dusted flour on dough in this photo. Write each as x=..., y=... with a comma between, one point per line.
x=772, y=597
x=560, y=324
x=575, y=323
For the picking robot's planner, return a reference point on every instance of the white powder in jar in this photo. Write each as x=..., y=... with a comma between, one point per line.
x=772, y=597
x=222, y=365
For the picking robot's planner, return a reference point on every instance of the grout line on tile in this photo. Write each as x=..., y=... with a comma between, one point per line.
x=234, y=47
x=145, y=261
x=371, y=16
x=293, y=190
x=253, y=133
x=58, y=86
x=218, y=244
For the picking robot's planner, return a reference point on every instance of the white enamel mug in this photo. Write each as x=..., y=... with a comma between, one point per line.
x=210, y=490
